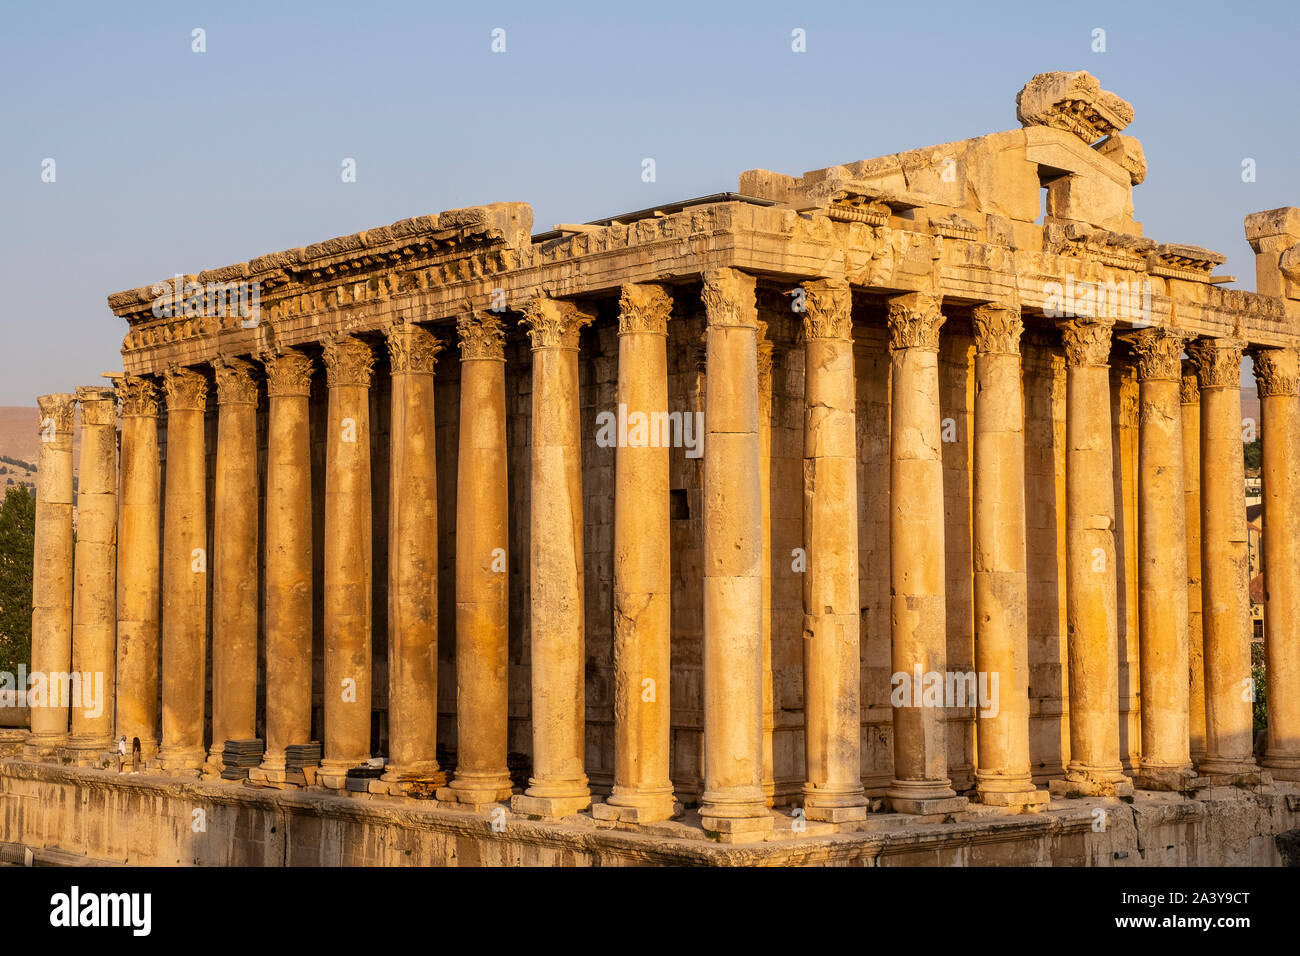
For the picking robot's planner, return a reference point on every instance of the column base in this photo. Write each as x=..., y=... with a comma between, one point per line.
x=1172, y=779
x=44, y=746
x=922, y=797
x=1218, y=766
x=631, y=806
x=738, y=829
x=89, y=751
x=181, y=763
x=477, y=790
x=1011, y=794
x=1091, y=782
x=1250, y=779
x=1282, y=765
x=333, y=774
x=280, y=778
x=549, y=808
x=834, y=806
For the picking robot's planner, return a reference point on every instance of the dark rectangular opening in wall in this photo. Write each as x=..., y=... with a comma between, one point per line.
x=679, y=507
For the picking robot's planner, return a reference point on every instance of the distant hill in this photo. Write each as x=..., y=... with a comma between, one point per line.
x=19, y=442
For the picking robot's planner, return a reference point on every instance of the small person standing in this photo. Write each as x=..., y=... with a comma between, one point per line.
x=121, y=753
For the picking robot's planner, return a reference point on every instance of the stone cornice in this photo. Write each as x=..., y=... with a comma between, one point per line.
x=914, y=321
x=997, y=329
x=481, y=336
x=235, y=382
x=139, y=397
x=554, y=323
x=828, y=309
x=412, y=349
x=644, y=307
x=1276, y=372
x=1159, y=354
x=288, y=373
x=1217, y=362
x=729, y=298
x=187, y=390
x=348, y=362
x=1087, y=344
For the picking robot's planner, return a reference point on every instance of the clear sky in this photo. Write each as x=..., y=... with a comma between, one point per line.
x=168, y=161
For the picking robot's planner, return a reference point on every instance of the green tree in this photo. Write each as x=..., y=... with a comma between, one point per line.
x=17, y=546
x=1253, y=453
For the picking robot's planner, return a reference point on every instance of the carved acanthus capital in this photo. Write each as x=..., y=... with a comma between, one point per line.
x=482, y=336
x=828, y=309
x=914, y=321
x=554, y=323
x=186, y=389
x=1159, y=354
x=236, y=384
x=98, y=405
x=1087, y=343
x=1190, y=390
x=139, y=397
x=412, y=349
x=348, y=361
x=644, y=307
x=997, y=329
x=729, y=298
x=1276, y=372
x=1217, y=362
x=288, y=372
x=57, y=409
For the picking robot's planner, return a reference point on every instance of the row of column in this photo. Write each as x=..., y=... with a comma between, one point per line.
x=734, y=803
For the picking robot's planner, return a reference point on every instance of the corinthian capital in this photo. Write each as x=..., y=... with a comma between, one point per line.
x=98, y=406
x=288, y=372
x=554, y=323
x=186, y=389
x=1217, y=361
x=644, y=307
x=139, y=397
x=914, y=321
x=482, y=336
x=828, y=309
x=412, y=349
x=729, y=298
x=1275, y=372
x=58, y=409
x=1189, y=392
x=997, y=329
x=235, y=382
x=1087, y=343
x=348, y=361
x=1159, y=354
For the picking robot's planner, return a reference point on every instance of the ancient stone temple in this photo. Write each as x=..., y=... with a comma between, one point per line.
x=889, y=512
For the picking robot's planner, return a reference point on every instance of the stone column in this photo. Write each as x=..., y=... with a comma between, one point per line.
x=234, y=561
x=642, y=547
x=184, y=574
x=288, y=561
x=916, y=559
x=94, y=603
x=52, y=575
x=832, y=670
x=482, y=581
x=558, y=786
x=412, y=562
x=1162, y=562
x=138, y=584
x=1090, y=579
x=732, y=804
x=1001, y=588
x=1225, y=583
x=1276, y=378
x=766, y=358
x=1191, y=419
x=347, y=599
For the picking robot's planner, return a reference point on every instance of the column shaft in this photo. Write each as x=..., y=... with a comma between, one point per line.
x=1191, y=419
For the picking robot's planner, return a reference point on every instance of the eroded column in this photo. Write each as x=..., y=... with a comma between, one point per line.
x=288, y=562
x=1225, y=578
x=1001, y=589
x=52, y=578
x=642, y=547
x=184, y=574
x=347, y=598
x=832, y=789
x=558, y=786
x=1191, y=420
x=482, y=579
x=732, y=804
x=1276, y=378
x=412, y=562
x=138, y=583
x=94, y=605
x=918, y=647
x=234, y=561
x=1162, y=563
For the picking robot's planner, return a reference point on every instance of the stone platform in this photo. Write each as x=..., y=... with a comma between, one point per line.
x=80, y=816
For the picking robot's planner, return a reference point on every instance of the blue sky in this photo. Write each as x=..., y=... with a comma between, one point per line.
x=173, y=161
